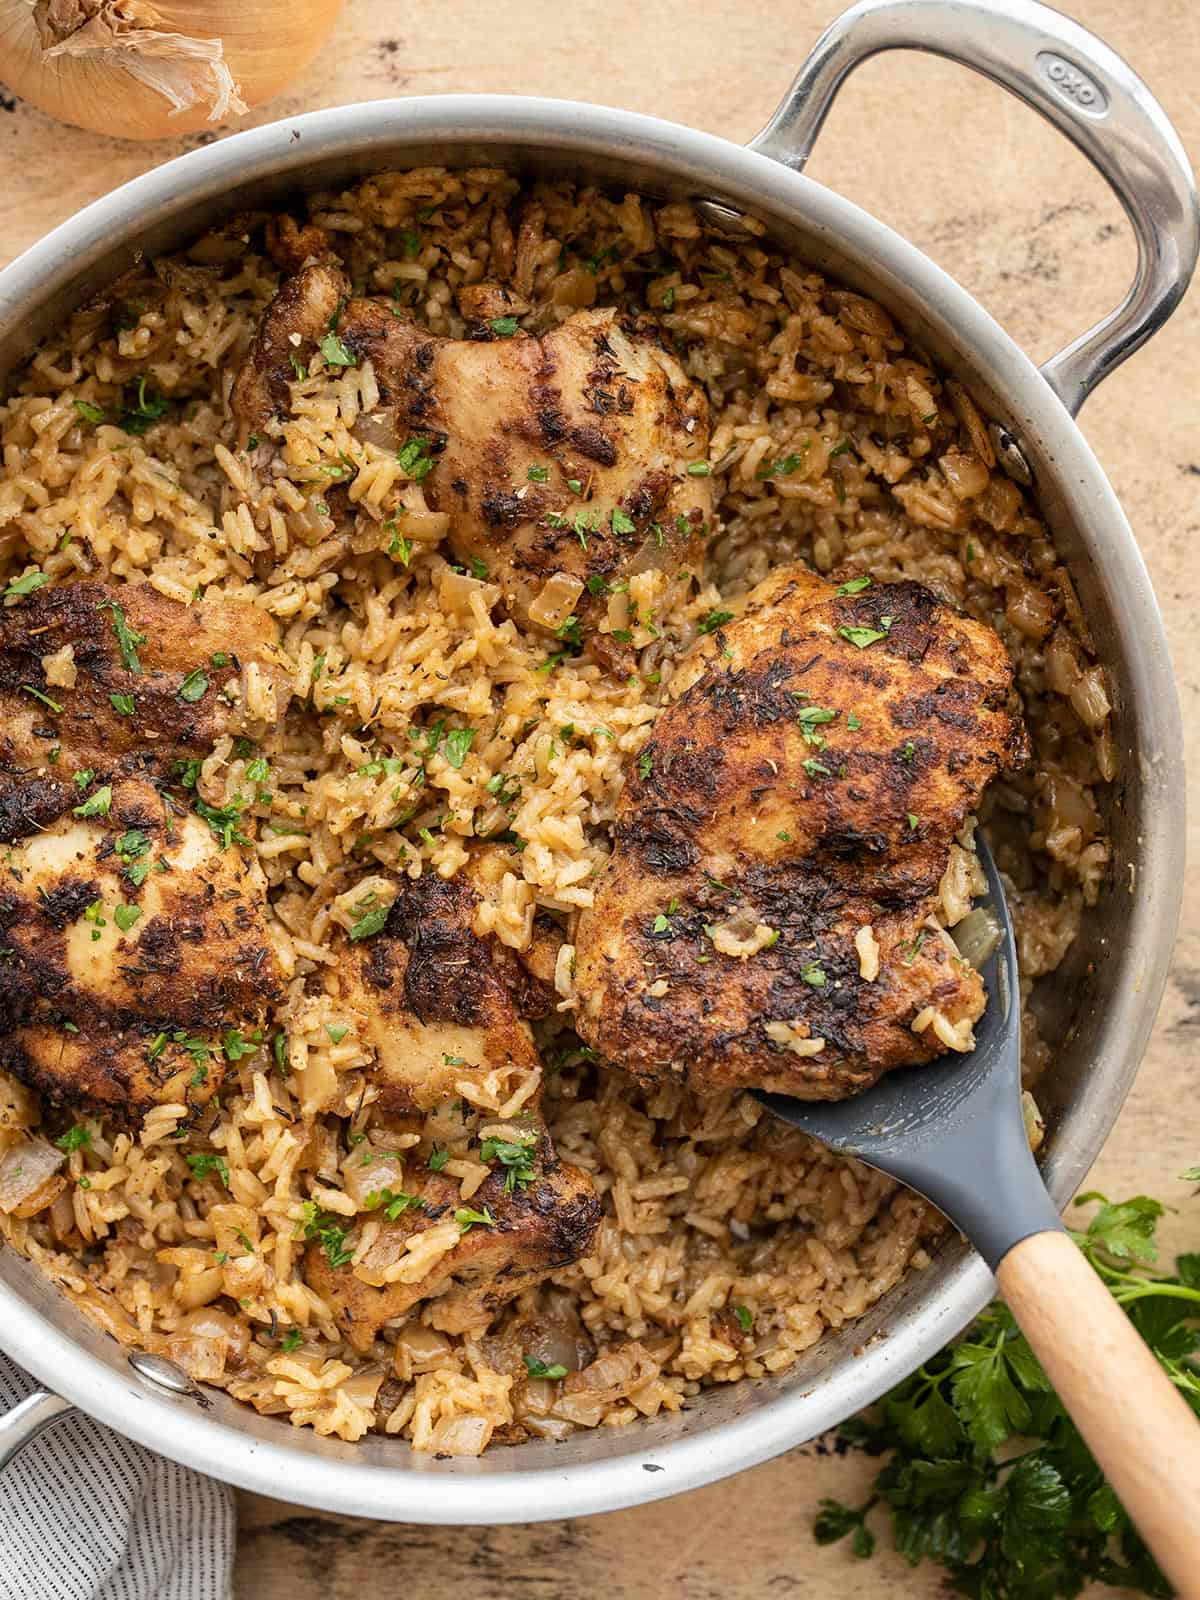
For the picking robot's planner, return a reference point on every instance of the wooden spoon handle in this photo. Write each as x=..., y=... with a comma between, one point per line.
x=1136, y=1423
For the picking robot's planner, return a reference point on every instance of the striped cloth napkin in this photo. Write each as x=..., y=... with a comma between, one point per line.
x=89, y=1516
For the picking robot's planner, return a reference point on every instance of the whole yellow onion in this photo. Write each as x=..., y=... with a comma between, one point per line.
x=147, y=71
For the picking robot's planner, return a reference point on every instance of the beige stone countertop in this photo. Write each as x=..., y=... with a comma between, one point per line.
x=1001, y=201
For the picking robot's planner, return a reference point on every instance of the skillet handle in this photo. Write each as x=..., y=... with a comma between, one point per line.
x=27, y=1419
x=1134, y=1421
x=1076, y=82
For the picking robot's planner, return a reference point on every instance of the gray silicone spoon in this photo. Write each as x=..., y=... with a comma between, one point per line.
x=954, y=1131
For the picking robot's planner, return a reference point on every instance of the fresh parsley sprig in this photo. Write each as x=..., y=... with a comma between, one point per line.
x=986, y=1473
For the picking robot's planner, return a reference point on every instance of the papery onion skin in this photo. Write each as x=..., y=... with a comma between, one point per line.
x=263, y=44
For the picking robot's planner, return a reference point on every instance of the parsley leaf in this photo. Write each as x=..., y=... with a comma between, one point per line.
x=96, y=805
x=539, y=1369
x=503, y=327
x=862, y=637
x=468, y=1218
x=194, y=687
x=26, y=585
x=335, y=352
x=127, y=639
x=203, y=1165
x=458, y=742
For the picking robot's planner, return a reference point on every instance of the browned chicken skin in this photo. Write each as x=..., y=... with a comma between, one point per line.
x=565, y=453
x=807, y=784
x=133, y=936
x=537, y=1229
x=168, y=643
x=435, y=1001
x=439, y=1006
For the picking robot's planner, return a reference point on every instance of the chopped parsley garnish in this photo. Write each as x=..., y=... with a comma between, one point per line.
x=908, y=752
x=781, y=469
x=862, y=637
x=698, y=469
x=279, y=1049
x=714, y=620
x=394, y=1205
x=539, y=1369
x=324, y=1226
x=88, y=411
x=784, y=835
x=335, y=352
x=298, y=366
x=622, y=522
x=645, y=764
x=516, y=1158
x=127, y=639
x=83, y=777
x=401, y=548
x=126, y=916
x=745, y=1318
x=913, y=822
x=337, y=1031
x=814, y=974
x=810, y=718
x=503, y=327
x=438, y=1159
x=853, y=723
x=44, y=698
x=415, y=460
x=370, y=918
x=817, y=769
x=204, y=1165
x=234, y=1046
x=194, y=687
x=123, y=704
x=76, y=1138
x=130, y=844
x=458, y=742
x=538, y=474
x=468, y=1218
x=26, y=585
x=96, y=805
x=223, y=820
x=138, y=415
x=292, y=1340
x=854, y=586
x=478, y=568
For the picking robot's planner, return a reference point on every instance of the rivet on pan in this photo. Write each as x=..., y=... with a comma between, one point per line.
x=163, y=1374
x=1010, y=455
x=726, y=218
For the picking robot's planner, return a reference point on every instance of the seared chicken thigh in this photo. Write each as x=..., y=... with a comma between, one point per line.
x=765, y=916
x=566, y=453
x=433, y=1001
x=132, y=941
x=536, y=1228
x=115, y=675
x=133, y=931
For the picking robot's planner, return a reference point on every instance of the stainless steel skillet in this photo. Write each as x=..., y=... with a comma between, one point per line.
x=1101, y=1005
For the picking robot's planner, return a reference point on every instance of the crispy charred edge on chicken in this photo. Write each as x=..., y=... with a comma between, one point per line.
x=82, y=722
x=493, y=407
x=540, y=1228
x=842, y=855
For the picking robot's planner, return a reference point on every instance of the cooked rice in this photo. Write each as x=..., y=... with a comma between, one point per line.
x=729, y=1245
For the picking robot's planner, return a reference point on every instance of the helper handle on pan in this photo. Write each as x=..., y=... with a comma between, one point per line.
x=27, y=1419
x=1075, y=81
x=1133, y=1419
